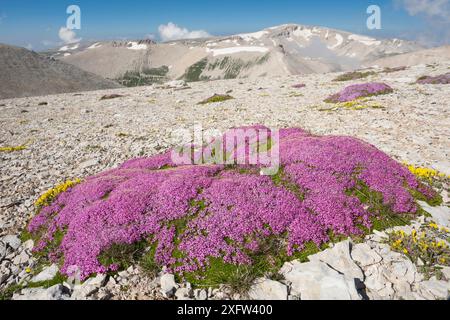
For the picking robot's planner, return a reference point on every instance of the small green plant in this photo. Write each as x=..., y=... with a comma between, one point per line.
x=123, y=255
x=216, y=98
x=429, y=245
x=12, y=149
x=59, y=278
x=8, y=292
x=354, y=75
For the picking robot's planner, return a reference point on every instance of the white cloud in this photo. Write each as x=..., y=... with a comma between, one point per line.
x=431, y=8
x=68, y=36
x=436, y=15
x=171, y=32
x=29, y=46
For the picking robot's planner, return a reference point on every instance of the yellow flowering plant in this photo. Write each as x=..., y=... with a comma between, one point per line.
x=429, y=244
x=12, y=149
x=50, y=195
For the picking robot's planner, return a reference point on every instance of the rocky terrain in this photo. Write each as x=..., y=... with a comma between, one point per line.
x=48, y=140
x=427, y=56
x=276, y=51
x=25, y=73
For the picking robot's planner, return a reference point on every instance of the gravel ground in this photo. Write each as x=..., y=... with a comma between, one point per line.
x=75, y=135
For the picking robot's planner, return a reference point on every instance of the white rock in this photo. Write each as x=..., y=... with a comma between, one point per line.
x=57, y=292
x=28, y=245
x=200, y=294
x=2, y=250
x=441, y=215
x=176, y=84
x=12, y=240
x=375, y=281
x=380, y=234
x=89, y=287
x=168, y=285
x=47, y=274
x=364, y=255
x=4, y=275
x=340, y=260
x=183, y=294
x=446, y=272
x=266, y=289
x=437, y=288
x=317, y=281
x=88, y=163
x=22, y=258
x=401, y=271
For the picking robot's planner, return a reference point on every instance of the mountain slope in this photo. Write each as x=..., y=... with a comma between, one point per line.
x=282, y=50
x=428, y=56
x=25, y=73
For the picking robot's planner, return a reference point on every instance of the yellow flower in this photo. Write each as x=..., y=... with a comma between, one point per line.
x=12, y=149
x=28, y=270
x=405, y=251
x=51, y=194
x=434, y=226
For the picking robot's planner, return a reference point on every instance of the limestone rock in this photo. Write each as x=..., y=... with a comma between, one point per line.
x=437, y=288
x=200, y=294
x=12, y=240
x=441, y=215
x=364, y=255
x=47, y=274
x=57, y=292
x=338, y=257
x=265, y=289
x=168, y=285
x=89, y=287
x=317, y=281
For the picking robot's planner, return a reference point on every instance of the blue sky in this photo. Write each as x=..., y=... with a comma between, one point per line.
x=36, y=23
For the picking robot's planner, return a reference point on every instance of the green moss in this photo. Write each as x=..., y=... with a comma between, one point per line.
x=8, y=292
x=434, y=202
x=354, y=75
x=147, y=262
x=383, y=216
x=59, y=278
x=123, y=255
x=216, y=98
x=281, y=179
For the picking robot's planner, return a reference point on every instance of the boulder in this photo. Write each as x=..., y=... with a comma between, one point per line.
x=200, y=294
x=338, y=257
x=89, y=287
x=168, y=285
x=183, y=294
x=441, y=215
x=57, y=292
x=317, y=281
x=12, y=240
x=2, y=250
x=46, y=275
x=265, y=289
x=363, y=254
x=436, y=288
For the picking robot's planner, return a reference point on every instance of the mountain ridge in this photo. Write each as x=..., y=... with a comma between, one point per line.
x=26, y=73
x=281, y=50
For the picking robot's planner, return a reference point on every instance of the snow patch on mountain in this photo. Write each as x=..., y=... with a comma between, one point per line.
x=137, y=46
x=233, y=50
x=364, y=40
